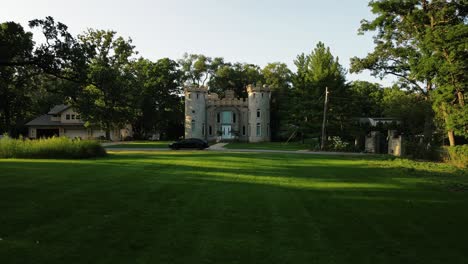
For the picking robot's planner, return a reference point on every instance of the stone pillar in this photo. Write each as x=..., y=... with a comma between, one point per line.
x=373, y=142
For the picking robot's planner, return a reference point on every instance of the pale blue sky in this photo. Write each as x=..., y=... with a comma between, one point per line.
x=253, y=31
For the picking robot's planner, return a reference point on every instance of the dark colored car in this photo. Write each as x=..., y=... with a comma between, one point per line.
x=193, y=143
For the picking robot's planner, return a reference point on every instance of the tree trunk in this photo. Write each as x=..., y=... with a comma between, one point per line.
x=451, y=138
x=108, y=136
x=461, y=98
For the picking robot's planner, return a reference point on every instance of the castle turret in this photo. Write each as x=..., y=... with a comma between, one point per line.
x=259, y=113
x=195, y=111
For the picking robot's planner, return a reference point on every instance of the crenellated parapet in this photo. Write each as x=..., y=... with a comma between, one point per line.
x=195, y=88
x=237, y=102
x=257, y=88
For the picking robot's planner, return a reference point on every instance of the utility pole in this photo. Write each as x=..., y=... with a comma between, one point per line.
x=325, y=105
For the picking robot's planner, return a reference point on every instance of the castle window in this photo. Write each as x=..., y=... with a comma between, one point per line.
x=243, y=130
x=67, y=117
x=268, y=129
x=190, y=95
x=210, y=130
x=259, y=132
x=262, y=95
x=193, y=111
x=197, y=95
x=233, y=117
x=218, y=118
x=193, y=125
x=203, y=129
x=258, y=112
x=254, y=95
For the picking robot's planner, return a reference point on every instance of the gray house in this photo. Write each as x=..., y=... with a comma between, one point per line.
x=63, y=120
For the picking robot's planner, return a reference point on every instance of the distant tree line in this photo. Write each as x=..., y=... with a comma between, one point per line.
x=423, y=43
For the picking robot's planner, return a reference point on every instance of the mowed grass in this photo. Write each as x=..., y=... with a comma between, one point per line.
x=212, y=207
x=142, y=144
x=268, y=145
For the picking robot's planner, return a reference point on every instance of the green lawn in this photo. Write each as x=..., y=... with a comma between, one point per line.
x=268, y=146
x=213, y=207
x=142, y=144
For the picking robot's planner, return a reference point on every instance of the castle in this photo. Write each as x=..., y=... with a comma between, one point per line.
x=212, y=118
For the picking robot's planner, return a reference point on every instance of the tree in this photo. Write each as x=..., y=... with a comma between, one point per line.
x=315, y=72
x=278, y=77
x=366, y=99
x=235, y=77
x=161, y=107
x=424, y=44
x=16, y=46
x=198, y=69
x=109, y=96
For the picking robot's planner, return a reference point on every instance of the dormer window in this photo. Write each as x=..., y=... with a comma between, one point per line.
x=78, y=117
x=73, y=117
x=67, y=117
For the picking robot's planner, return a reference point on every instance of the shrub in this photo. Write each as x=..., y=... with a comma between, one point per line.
x=55, y=147
x=457, y=155
x=417, y=150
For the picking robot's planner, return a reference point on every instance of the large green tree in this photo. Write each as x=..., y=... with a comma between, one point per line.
x=16, y=46
x=160, y=103
x=424, y=43
x=108, y=97
x=316, y=72
x=197, y=69
x=235, y=77
x=278, y=76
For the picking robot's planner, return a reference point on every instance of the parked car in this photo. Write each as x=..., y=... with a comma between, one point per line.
x=190, y=143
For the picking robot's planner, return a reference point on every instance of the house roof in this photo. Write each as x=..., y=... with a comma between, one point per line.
x=58, y=109
x=46, y=120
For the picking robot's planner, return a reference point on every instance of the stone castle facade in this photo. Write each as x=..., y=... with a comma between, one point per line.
x=230, y=118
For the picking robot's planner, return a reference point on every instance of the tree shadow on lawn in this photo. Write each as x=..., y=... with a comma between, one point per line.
x=288, y=171
x=291, y=207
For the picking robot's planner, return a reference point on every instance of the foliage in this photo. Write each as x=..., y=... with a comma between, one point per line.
x=424, y=44
x=15, y=46
x=51, y=148
x=161, y=107
x=414, y=148
x=315, y=72
x=197, y=69
x=108, y=97
x=457, y=155
x=366, y=99
x=278, y=77
x=337, y=144
x=235, y=77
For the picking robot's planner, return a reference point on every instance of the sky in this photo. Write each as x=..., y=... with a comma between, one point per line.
x=251, y=31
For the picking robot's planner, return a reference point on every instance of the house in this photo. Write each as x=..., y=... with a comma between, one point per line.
x=211, y=118
x=63, y=120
